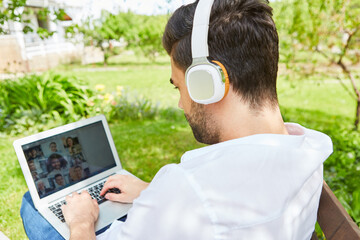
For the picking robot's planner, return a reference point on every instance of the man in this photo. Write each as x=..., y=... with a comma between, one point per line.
x=34, y=154
x=259, y=178
x=42, y=189
x=36, y=162
x=53, y=149
x=76, y=173
x=59, y=180
x=32, y=166
x=35, y=175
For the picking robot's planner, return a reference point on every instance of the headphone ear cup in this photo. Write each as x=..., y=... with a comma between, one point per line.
x=227, y=82
x=207, y=82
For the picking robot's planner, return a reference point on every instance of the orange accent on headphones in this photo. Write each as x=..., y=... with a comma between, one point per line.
x=227, y=83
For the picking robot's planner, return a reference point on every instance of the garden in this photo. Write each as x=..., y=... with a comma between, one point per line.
x=316, y=88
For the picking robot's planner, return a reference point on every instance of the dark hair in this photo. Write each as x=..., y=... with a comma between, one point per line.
x=67, y=141
x=63, y=162
x=242, y=36
x=58, y=175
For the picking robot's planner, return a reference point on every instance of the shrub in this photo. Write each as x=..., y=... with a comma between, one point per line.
x=121, y=105
x=343, y=169
x=35, y=100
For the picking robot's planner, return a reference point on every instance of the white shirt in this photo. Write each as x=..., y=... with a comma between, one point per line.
x=264, y=186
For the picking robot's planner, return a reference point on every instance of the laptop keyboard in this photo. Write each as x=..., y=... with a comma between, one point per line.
x=94, y=192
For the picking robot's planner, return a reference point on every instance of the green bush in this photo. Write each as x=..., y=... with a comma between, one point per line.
x=35, y=100
x=121, y=105
x=343, y=169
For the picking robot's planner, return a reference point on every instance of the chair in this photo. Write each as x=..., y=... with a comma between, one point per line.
x=333, y=219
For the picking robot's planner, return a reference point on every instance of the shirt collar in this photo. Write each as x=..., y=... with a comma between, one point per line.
x=295, y=138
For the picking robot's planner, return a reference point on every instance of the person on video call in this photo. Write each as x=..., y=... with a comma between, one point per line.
x=36, y=157
x=59, y=180
x=259, y=178
x=56, y=164
x=41, y=187
x=70, y=144
x=53, y=148
x=76, y=173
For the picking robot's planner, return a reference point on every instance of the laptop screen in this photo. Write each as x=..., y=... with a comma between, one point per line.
x=62, y=160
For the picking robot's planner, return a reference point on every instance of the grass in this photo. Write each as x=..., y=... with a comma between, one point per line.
x=142, y=77
x=322, y=95
x=145, y=146
x=11, y=189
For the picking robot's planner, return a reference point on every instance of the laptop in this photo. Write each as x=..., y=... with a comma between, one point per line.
x=73, y=157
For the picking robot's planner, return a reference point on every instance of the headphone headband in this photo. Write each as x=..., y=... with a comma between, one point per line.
x=199, y=36
x=206, y=82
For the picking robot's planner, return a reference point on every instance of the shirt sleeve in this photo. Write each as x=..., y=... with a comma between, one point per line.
x=170, y=208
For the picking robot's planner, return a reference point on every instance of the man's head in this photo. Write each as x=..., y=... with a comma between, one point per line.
x=32, y=166
x=33, y=152
x=59, y=180
x=242, y=36
x=53, y=147
x=41, y=186
x=78, y=172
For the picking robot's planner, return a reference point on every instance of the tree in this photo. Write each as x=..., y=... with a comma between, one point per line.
x=16, y=11
x=12, y=11
x=141, y=33
x=329, y=28
x=104, y=31
x=149, y=35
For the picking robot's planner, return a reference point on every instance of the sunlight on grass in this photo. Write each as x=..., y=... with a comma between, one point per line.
x=144, y=147
x=140, y=76
x=11, y=189
x=326, y=96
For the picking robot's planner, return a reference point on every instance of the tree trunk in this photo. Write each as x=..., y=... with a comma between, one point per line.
x=356, y=91
x=357, y=117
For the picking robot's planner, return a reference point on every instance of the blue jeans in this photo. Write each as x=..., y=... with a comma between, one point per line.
x=36, y=227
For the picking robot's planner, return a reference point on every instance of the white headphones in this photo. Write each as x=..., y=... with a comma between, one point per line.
x=207, y=82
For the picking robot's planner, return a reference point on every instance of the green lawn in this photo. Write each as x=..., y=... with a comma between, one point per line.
x=151, y=80
x=145, y=146
x=322, y=96
x=11, y=189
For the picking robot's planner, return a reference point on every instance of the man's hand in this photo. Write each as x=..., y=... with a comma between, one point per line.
x=129, y=186
x=81, y=213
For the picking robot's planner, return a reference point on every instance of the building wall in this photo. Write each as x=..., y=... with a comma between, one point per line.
x=51, y=60
x=10, y=55
x=37, y=58
x=21, y=52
